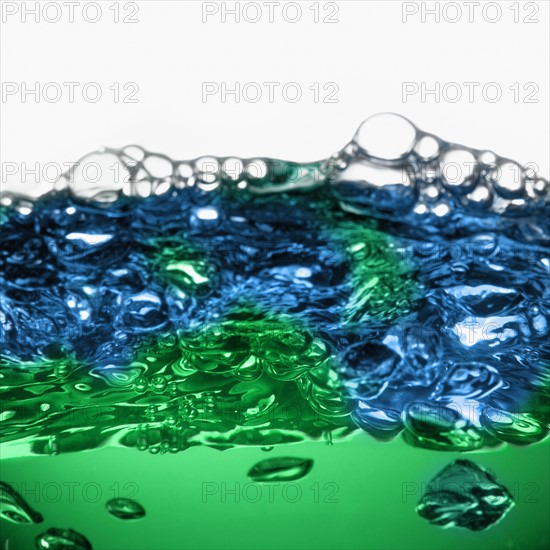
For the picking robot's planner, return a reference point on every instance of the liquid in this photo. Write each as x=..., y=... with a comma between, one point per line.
x=277, y=311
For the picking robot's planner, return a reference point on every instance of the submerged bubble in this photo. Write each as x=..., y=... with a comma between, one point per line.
x=14, y=508
x=466, y=495
x=436, y=426
x=125, y=508
x=517, y=428
x=280, y=469
x=62, y=539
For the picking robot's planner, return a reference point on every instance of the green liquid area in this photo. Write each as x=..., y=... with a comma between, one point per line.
x=360, y=494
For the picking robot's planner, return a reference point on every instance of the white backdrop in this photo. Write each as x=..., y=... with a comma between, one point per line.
x=348, y=59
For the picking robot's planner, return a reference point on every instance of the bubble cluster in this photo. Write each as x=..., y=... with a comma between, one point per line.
x=228, y=302
x=395, y=171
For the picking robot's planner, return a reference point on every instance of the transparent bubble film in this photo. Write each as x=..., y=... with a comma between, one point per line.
x=399, y=287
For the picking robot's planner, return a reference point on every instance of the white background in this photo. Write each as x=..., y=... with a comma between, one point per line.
x=368, y=53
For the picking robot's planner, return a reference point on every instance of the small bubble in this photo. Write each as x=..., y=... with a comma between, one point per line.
x=14, y=508
x=158, y=383
x=62, y=539
x=140, y=385
x=280, y=469
x=125, y=508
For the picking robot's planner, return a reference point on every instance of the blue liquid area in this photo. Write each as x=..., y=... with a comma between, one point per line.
x=466, y=365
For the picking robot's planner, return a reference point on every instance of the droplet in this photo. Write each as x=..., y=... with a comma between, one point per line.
x=280, y=469
x=62, y=539
x=125, y=508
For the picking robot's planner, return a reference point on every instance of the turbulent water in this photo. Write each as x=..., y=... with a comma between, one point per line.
x=399, y=288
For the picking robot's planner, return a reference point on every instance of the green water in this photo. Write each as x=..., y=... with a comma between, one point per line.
x=258, y=373
x=360, y=493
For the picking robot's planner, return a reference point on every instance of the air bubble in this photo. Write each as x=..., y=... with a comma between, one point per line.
x=207, y=170
x=427, y=148
x=458, y=169
x=135, y=152
x=507, y=178
x=14, y=508
x=421, y=208
x=480, y=196
x=256, y=170
x=161, y=187
x=207, y=213
x=24, y=208
x=488, y=158
x=62, y=539
x=387, y=136
x=158, y=383
x=98, y=177
x=442, y=209
x=6, y=199
x=158, y=166
x=432, y=192
x=280, y=469
x=125, y=508
x=185, y=170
